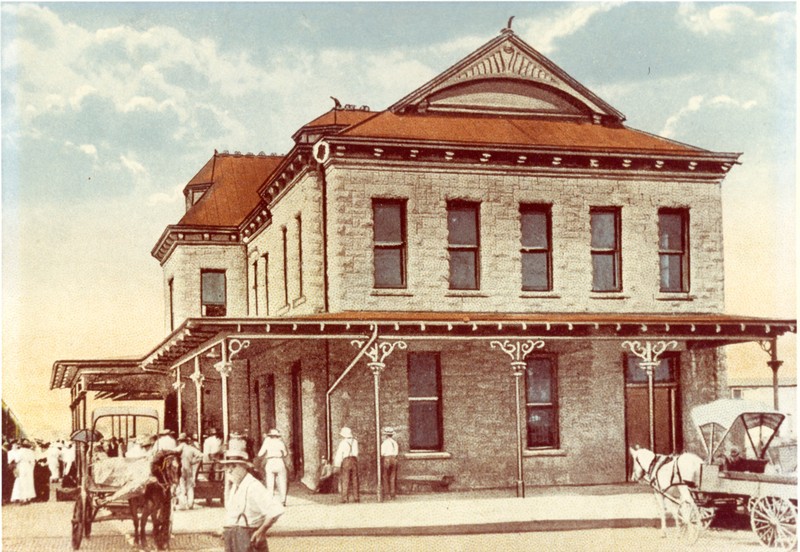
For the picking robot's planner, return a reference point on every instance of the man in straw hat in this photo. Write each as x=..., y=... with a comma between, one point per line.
x=249, y=510
x=389, y=452
x=274, y=450
x=346, y=460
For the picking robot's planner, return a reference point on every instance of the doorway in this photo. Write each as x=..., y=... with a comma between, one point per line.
x=297, y=421
x=666, y=419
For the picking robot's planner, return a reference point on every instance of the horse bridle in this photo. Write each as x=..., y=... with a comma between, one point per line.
x=646, y=471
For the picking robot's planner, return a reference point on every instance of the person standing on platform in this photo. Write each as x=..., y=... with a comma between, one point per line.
x=389, y=453
x=346, y=460
x=24, y=490
x=274, y=450
x=53, y=458
x=191, y=457
x=249, y=509
x=212, y=451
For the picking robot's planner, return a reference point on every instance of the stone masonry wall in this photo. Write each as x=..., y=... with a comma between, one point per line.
x=352, y=188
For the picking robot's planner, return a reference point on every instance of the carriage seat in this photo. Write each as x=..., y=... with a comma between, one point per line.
x=747, y=465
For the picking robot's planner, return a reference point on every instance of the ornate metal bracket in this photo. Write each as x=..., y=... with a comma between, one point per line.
x=197, y=378
x=179, y=385
x=518, y=350
x=378, y=351
x=235, y=346
x=650, y=352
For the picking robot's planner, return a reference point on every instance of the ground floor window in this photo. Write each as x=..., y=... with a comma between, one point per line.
x=424, y=402
x=541, y=401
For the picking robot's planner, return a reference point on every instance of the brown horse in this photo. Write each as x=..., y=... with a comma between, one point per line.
x=156, y=500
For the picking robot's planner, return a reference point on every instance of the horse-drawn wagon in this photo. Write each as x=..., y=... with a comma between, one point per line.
x=121, y=488
x=757, y=485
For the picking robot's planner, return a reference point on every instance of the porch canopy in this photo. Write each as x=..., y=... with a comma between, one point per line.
x=138, y=379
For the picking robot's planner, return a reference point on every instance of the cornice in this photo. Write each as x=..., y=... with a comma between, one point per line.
x=694, y=165
x=176, y=235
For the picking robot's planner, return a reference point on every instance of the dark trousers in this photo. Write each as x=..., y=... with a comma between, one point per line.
x=389, y=475
x=349, y=478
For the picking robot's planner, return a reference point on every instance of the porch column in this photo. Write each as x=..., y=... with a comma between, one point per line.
x=771, y=347
x=178, y=387
x=197, y=377
x=649, y=354
x=377, y=353
x=518, y=350
x=225, y=368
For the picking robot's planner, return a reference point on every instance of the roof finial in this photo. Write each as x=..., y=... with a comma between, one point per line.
x=508, y=27
x=336, y=103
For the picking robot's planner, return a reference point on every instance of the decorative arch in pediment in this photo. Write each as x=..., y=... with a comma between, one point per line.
x=507, y=75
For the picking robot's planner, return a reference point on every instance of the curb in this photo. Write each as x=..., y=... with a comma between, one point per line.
x=464, y=529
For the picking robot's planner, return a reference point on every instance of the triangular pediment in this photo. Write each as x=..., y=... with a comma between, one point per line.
x=507, y=76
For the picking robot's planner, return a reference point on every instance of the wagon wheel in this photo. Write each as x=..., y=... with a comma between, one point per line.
x=88, y=518
x=78, y=522
x=774, y=521
x=691, y=521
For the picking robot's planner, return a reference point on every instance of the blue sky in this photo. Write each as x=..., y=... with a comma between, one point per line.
x=109, y=109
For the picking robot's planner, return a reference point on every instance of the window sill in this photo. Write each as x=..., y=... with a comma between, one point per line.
x=427, y=456
x=674, y=296
x=543, y=452
x=391, y=292
x=465, y=293
x=608, y=296
x=539, y=295
x=299, y=301
x=283, y=310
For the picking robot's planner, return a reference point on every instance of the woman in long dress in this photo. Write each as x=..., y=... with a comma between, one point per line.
x=24, y=490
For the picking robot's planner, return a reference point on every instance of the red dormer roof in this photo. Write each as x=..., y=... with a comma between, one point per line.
x=510, y=131
x=235, y=180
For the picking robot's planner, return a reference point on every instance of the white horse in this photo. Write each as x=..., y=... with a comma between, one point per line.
x=670, y=478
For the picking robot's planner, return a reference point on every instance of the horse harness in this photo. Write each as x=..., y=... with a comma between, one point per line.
x=650, y=474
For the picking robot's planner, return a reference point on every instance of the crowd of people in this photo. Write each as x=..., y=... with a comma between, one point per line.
x=30, y=466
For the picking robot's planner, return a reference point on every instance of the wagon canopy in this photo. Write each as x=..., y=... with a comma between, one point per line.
x=716, y=419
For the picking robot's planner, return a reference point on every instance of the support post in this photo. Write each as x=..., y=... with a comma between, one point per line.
x=230, y=349
x=377, y=353
x=197, y=377
x=178, y=387
x=771, y=347
x=518, y=351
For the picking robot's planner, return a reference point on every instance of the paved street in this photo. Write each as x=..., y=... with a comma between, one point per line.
x=45, y=527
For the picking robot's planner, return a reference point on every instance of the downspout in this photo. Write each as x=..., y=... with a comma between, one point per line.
x=336, y=383
x=324, y=183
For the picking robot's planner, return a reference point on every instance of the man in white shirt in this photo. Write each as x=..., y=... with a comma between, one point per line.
x=389, y=452
x=249, y=510
x=346, y=460
x=274, y=450
x=212, y=450
x=166, y=441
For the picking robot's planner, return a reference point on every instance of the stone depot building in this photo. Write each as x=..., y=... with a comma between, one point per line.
x=495, y=265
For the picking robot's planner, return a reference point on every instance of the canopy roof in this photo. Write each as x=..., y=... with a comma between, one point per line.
x=725, y=412
x=197, y=335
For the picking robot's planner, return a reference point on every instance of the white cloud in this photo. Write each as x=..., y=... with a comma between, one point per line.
x=175, y=196
x=136, y=168
x=88, y=149
x=696, y=103
x=543, y=33
x=726, y=19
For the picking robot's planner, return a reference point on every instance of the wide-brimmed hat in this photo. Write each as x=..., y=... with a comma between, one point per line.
x=388, y=430
x=183, y=437
x=236, y=457
x=274, y=433
x=166, y=431
x=145, y=440
x=212, y=431
x=346, y=433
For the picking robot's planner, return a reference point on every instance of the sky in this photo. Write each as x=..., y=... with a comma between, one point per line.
x=109, y=109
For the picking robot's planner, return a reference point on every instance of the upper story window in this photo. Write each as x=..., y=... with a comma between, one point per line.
x=213, y=300
x=606, y=250
x=389, y=242
x=266, y=284
x=463, y=244
x=424, y=402
x=285, y=241
x=536, y=248
x=541, y=401
x=673, y=249
x=171, y=285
